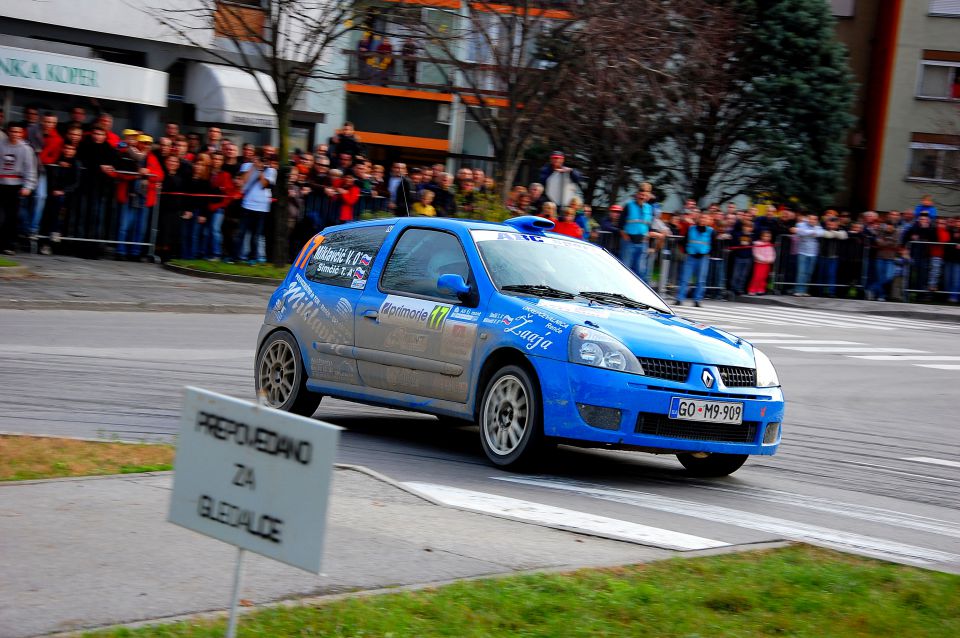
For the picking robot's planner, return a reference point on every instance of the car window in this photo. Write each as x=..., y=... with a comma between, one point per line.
x=344, y=257
x=419, y=259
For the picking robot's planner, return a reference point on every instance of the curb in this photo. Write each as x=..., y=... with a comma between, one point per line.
x=878, y=308
x=203, y=274
x=325, y=599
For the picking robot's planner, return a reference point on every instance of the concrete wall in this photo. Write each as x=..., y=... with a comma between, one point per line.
x=906, y=114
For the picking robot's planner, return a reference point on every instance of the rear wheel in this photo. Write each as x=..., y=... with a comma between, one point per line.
x=280, y=377
x=511, y=422
x=712, y=465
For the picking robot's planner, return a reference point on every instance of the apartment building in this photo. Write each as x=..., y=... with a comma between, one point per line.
x=114, y=56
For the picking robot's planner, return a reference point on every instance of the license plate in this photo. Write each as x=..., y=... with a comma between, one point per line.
x=709, y=411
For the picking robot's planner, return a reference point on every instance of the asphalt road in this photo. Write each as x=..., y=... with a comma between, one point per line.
x=870, y=461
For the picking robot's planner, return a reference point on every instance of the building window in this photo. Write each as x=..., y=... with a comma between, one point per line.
x=945, y=8
x=931, y=162
x=843, y=8
x=939, y=80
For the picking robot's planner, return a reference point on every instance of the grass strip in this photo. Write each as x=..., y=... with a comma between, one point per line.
x=799, y=591
x=266, y=271
x=7, y=263
x=25, y=458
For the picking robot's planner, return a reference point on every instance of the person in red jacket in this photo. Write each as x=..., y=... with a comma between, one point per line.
x=349, y=195
x=48, y=153
x=568, y=225
x=136, y=194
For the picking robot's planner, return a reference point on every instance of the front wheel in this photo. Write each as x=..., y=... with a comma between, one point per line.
x=712, y=465
x=511, y=422
x=280, y=377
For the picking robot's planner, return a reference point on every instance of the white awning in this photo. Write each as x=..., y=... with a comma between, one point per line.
x=225, y=95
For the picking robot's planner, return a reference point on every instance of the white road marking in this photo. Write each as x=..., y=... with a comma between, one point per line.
x=904, y=357
x=927, y=459
x=560, y=518
x=844, y=349
x=131, y=352
x=850, y=510
x=751, y=335
x=811, y=342
x=848, y=541
x=937, y=366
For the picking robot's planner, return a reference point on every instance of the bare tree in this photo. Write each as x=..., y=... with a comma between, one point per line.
x=287, y=40
x=617, y=105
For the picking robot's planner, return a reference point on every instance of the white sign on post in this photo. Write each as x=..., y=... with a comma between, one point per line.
x=254, y=477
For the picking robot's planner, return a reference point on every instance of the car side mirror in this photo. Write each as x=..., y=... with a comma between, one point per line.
x=452, y=284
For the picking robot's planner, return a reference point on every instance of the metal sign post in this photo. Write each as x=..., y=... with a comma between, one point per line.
x=253, y=477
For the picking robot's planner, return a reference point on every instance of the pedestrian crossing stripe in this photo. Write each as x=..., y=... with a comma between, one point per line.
x=936, y=366
x=561, y=518
x=845, y=349
x=815, y=534
x=734, y=315
x=904, y=357
x=800, y=342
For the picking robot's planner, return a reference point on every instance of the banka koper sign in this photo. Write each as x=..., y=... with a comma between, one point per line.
x=57, y=73
x=253, y=477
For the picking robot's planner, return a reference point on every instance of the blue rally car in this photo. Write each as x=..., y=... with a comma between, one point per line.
x=533, y=336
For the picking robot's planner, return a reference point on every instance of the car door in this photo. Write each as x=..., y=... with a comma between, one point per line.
x=411, y=337
x=326, y=298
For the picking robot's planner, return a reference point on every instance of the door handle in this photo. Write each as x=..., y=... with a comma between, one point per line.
x=371, y=314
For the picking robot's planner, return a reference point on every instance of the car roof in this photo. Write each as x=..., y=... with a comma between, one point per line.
x=444, y=223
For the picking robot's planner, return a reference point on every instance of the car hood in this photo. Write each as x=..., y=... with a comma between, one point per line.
x=651, y=334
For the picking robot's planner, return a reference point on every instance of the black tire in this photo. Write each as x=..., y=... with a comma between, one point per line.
x=279, y=375
x=511, y=405
x=712, y=465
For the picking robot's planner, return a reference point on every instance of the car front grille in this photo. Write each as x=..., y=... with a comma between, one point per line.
x=661, y=425
x=665, y=369
x=734, y=377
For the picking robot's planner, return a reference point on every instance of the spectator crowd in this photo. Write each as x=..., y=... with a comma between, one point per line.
x=203, y=195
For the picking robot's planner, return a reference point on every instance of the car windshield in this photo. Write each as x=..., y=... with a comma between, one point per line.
x=549, y=266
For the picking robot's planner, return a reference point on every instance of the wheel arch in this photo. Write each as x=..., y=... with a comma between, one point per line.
x=497, y=359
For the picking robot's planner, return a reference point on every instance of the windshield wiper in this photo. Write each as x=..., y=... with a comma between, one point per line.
x=616, y=298
x=538, y=290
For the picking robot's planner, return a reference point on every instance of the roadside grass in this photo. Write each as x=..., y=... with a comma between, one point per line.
x=800, y=591
x=25, y=458
x=7, y=263
x=266, y=271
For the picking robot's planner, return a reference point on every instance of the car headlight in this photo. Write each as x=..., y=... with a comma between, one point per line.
x=766, y=374
x=591, y=347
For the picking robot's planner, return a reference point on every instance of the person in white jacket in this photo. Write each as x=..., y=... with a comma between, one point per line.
x=807, y=235
x=18, y=178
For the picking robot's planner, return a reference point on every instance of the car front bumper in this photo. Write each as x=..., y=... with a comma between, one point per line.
x=628, y=410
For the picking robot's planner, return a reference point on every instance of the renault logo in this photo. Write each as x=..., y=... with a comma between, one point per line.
x=707, y=379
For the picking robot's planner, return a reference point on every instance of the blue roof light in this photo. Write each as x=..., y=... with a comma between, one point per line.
x=530, y=224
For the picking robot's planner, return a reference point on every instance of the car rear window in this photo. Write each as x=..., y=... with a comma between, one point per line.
x=344, y=258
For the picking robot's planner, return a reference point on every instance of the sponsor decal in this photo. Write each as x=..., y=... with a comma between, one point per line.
x=406, y=340
x=497, y=317
x=437, y=316
x=414, y=313
x=556, y=323
x=495, y=235
x=358, y=284
x=464, y=314
x=327, y=326
x=588, y=311
x=524, y=328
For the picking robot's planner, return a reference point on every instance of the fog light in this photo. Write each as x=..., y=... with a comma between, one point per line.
x=598, y=417
x=772, y=433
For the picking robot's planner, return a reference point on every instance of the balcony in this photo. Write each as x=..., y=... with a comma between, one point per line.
x=413, y=75
x=239, y=20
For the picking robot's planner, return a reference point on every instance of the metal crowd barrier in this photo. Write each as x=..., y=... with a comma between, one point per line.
x=841, y=265
x=86, y=218
x=930, y=270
